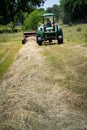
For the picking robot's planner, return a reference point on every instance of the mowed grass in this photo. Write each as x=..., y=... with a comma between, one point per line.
x=38, y=106
x=69, y=64
x=10, y=43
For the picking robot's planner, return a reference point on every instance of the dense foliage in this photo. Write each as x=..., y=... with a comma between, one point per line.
x=9, y=8
x=33, y=20
x=70, y=11
x=73, y=11
x=16, y=11
x=55, y=9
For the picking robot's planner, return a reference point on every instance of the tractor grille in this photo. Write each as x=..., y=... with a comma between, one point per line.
x=50, y=35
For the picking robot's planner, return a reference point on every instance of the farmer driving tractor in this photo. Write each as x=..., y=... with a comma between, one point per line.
x=48, y=24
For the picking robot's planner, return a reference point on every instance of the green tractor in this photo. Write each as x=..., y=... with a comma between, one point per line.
x=49, y=31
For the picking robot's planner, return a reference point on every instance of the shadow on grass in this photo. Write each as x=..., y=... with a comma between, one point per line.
x=46, y=43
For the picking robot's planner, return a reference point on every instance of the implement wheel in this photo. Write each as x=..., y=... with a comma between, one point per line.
x=23, y=41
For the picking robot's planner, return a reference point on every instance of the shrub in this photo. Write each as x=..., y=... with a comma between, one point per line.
x=33, y=20
x=78, y=29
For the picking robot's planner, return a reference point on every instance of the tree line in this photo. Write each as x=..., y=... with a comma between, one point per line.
x=69, y=11
x=74, y=11
x=9, y=9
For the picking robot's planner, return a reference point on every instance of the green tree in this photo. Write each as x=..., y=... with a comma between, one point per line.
x=19, y=17
x=66, y=10
x=3, y=11
x=55, y=10
x=33, y=20
x=9, y=8
x=73, y=10
x=79, y=11
x=49, y=10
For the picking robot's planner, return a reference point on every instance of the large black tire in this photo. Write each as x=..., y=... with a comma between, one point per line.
x=60, y=39
x=39, y=40
x=23, y=41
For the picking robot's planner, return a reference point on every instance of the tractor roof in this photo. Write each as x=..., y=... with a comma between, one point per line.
x=48, y=15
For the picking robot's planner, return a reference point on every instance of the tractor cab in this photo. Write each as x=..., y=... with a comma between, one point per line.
x=48, y=21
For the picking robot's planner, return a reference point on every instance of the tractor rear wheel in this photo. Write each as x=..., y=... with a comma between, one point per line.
x=60, y=39
x=39, y=40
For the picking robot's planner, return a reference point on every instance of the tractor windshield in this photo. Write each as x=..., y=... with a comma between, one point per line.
x=48, y=19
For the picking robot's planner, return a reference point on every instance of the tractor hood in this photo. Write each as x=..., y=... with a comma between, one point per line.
x=49, y=28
